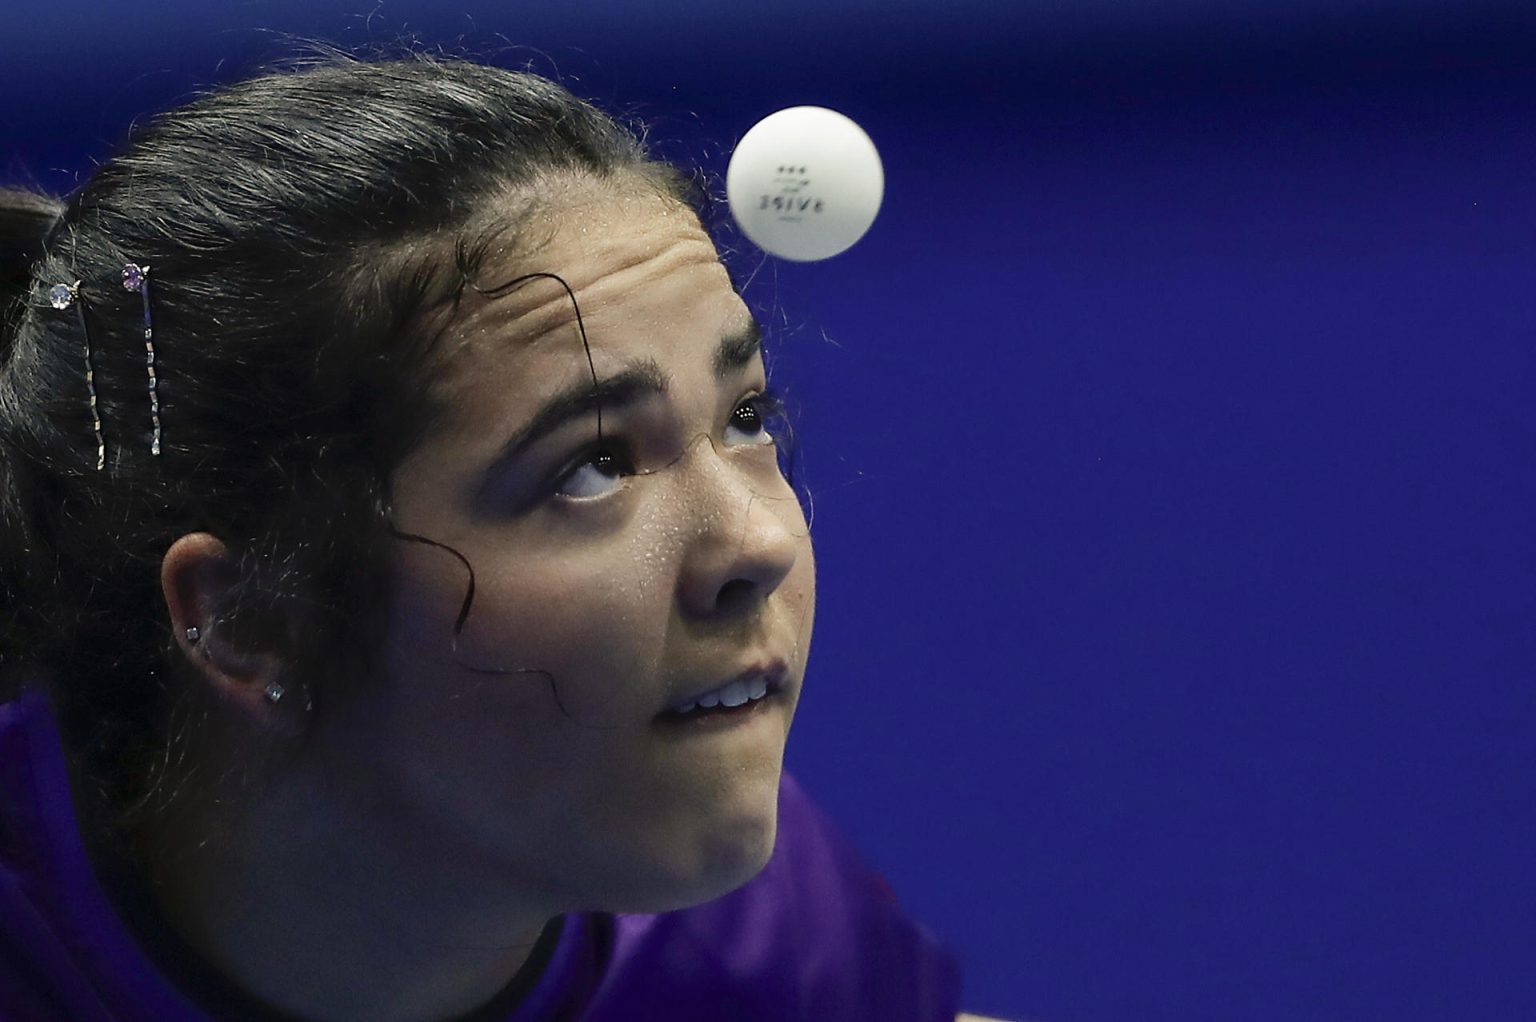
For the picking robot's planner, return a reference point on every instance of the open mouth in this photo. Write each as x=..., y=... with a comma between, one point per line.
x=737, y=700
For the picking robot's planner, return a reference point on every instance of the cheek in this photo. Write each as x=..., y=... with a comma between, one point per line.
x=799, y=593
x=512, y=722
x=592, y=617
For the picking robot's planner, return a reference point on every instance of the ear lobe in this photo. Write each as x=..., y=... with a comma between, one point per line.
x=246, y=681
x=198, y=578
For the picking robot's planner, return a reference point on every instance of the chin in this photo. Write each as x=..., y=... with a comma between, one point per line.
x=719, y=862
x=738, y=860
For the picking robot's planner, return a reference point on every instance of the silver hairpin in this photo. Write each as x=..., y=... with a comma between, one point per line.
x=136, y=278
x=62, y=296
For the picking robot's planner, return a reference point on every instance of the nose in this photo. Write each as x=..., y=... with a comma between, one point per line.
x=744, y=547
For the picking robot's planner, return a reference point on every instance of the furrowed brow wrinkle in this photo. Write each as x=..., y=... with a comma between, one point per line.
x=642, y=379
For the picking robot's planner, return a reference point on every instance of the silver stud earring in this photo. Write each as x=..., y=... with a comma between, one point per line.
x=193, y=634
x=274, y=692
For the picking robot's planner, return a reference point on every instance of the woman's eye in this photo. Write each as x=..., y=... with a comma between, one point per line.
x=598, y=473
x=749, y=421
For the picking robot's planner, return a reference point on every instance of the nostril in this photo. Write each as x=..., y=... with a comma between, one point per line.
x=737, y=594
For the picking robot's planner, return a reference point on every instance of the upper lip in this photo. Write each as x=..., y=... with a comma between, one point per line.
x=772, y=671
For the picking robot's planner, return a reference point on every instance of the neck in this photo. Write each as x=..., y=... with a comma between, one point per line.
x=318, y=899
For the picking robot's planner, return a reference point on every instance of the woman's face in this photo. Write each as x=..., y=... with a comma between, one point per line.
x=617, y=572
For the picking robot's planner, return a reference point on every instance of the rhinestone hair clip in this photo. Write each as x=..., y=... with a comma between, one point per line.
x=64, y=296
x=136, y=278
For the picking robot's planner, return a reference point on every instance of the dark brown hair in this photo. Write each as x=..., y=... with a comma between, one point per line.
x=300, y=228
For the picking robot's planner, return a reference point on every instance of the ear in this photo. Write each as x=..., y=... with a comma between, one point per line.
x=198, y=577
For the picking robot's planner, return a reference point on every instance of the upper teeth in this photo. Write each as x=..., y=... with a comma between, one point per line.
x=733, y=694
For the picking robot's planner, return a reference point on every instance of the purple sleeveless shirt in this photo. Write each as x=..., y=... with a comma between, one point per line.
x=816, y=936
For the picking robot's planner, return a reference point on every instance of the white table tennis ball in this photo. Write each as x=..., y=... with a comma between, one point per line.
x=805, y=183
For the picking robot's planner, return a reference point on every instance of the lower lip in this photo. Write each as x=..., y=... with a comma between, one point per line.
x=718, y=719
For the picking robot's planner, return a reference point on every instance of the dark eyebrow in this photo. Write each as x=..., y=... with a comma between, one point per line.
x=641, y=379
x=738, y=349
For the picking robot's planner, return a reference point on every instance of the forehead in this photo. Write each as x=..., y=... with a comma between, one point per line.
x=644, y=280
x=650, y=289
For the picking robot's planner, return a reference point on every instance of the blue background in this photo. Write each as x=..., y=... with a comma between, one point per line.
x=1171, y=437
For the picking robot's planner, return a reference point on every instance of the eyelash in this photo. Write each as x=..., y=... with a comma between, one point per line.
x=767, y=405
